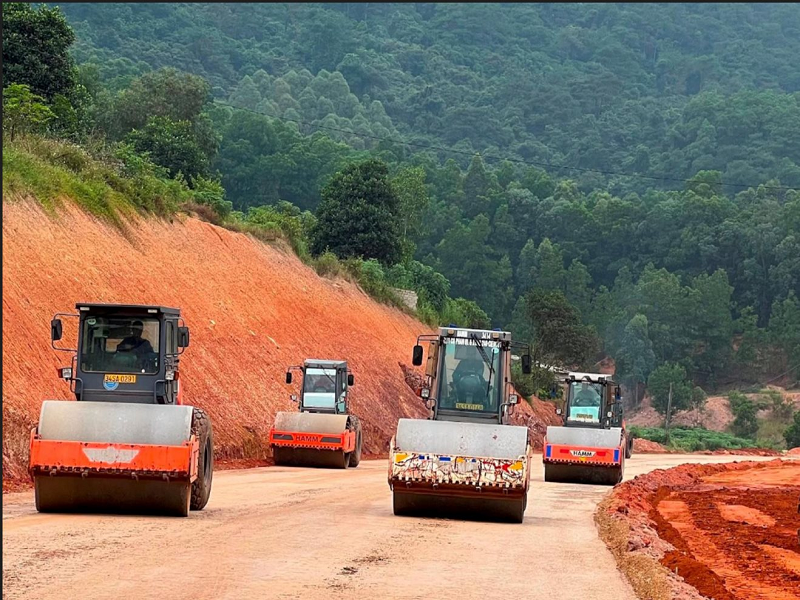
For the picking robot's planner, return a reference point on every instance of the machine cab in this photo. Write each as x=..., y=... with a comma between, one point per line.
x=469, y=374
x=125, y=353
x=325, y=386
x=592, y=400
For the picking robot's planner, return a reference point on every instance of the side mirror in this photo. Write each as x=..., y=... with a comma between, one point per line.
x=617, y=394
x=513, y=399
x=288, y=377
x=526, y=364
x=553, y=392
x=183, y=337
x=558, y=411
x=56, y=330
x=416, y=360
x=350, y=379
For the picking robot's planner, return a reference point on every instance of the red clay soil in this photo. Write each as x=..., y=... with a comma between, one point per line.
x=728, y=530
x=643, y=446
x=253, y=309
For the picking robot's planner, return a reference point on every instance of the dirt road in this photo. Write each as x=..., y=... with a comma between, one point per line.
x=302, y=533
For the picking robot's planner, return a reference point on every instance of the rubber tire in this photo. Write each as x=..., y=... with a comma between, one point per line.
x=628, y=446
x=201, y=487
x=355, y=455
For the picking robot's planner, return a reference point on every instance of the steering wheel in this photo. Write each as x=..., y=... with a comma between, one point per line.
x=320, y=390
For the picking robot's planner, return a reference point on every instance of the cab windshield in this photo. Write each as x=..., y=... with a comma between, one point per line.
x=585, y=401
x=319, y=388
x=470, y=372
x=120, y=345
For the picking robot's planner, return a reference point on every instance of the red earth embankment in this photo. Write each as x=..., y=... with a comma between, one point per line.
x=252, y=309
x=728, y=530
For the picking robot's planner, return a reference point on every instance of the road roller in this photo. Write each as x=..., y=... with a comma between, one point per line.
x=127, y=443
x=465, y=460
x=593, y=442
x=322, y=433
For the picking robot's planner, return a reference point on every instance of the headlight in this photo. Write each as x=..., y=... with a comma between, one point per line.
x=425, y=393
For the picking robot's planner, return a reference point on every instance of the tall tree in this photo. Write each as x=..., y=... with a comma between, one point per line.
x=635, y=359
x=658, y=385
x=558, y=332
x=36, y=44
x=359, y=214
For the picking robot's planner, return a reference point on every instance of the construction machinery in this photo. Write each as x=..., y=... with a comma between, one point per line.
x=592, y=443
x=465, y=460
x=128, y=444
x=323, y=433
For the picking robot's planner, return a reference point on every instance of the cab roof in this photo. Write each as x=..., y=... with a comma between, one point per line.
x=126, y=308
x=481, y=334
x=595, y=377
x=325, y=364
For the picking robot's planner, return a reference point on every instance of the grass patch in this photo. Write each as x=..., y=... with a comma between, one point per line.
x=691, y=439
x=647, y=576
x=51, y=170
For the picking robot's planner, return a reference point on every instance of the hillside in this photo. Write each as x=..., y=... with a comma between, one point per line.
x=252, y=309
x=663, y=90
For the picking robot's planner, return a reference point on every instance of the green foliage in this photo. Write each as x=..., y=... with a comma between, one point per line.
x=23, y=111
x=172, y=145
x=704, y=275
x=658, y=384
x=105, y=186
x=357, y=216
x=166, y=93
x=699, y=397
x=36, y=44
x=432, y=288
x=784, y=327
x=295, y=225
x=592, y=90
x=464, y=313
x=558, y=334
x=409, y=185
x=792, y=433
x=635, y=359
x=688, y=439
x=745, y=424
x=211, y=193
x=327, y=264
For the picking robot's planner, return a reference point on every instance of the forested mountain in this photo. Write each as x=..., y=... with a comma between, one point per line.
x=604, y=179
x=664, y=90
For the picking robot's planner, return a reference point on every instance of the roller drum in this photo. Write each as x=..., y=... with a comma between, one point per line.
x=114, y=423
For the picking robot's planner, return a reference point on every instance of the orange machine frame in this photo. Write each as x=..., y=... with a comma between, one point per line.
x=582, y=455
x=58, y=457
x=321, y=441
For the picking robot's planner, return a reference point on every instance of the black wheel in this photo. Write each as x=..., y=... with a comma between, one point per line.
x=201, y=487
x=355, y=455
x=628, y=446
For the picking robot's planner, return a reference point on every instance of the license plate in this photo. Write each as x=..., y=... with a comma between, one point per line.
x=465, y=406
x=120, y=378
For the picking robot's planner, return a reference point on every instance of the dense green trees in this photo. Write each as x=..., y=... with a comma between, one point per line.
x=35, y=50
x=659, y=90
x=669, y=376
x=359, y=215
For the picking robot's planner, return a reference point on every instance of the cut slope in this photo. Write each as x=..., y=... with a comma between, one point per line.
x=252, y=310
